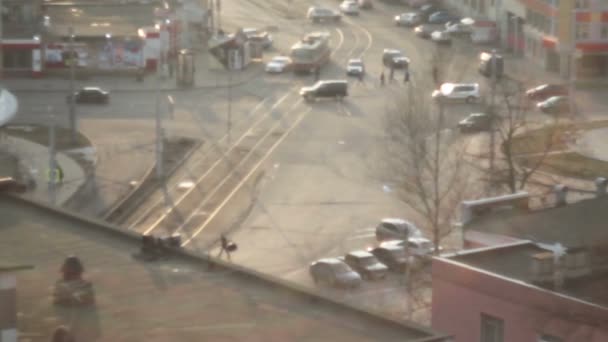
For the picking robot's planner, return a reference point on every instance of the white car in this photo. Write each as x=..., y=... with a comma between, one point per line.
x=417, y=246
x=278, y=64
x=355, y=67
x=350, y=7
x=458, y=28
x=468, y=92
x=318, y=14
x=396, y=229
x=334, y=272
x=441, y=37
x=409, y=19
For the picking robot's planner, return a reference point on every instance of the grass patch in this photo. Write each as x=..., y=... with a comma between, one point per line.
x=570, y=164
x=537, y=140
x=40, y=135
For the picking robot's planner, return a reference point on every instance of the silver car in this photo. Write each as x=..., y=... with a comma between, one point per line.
x=366, y=264
x=334, y=272
x=467, y=92
x=396, y=229
x=409, y=19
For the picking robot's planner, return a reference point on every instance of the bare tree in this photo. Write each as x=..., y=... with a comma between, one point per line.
x=423, y=161
x=523, y=148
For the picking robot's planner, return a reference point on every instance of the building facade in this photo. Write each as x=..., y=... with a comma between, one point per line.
x=21, y=46
x=489, y=295
x=551, y=32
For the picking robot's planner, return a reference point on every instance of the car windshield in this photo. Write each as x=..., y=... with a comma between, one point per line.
x=367, y=261
x=340, y=268
x=355, y=63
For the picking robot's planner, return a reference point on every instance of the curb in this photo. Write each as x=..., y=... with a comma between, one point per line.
x=245, y=80
x=146, y=176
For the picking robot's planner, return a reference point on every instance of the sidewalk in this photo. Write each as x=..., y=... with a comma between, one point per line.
x=204, y=78
x=35, y=158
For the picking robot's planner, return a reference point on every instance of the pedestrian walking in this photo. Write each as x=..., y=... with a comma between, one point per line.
x=436, y=75
x=406, y=76
x=382, y=78
x=360, y=76
x=317, y=74
x=392, y=74
x=60, y=174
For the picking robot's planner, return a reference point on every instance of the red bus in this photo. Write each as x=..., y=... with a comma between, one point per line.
x=311, y=52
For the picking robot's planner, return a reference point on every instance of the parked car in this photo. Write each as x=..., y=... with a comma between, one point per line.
x=475, y=122
x=458, y=27
x=488, y=61
x=417, y=246
x=366, y=264
x=555, y=105
x=420, y=3
x=334, y=272
x=409, y=19
x=468, y=92
x=318, y=14
x=424, y=31
x=337, y=89
x=440, y=18
x=395, y=229
x=255, y=35
x=393, y=256
x=393, y=58
x=9, y=184
x=350, y=7
x=366, y=4
x=355, y=67
x=426, y=10
x=441, y=37
x=278, y=64
x=90, y=95
x=545, y=91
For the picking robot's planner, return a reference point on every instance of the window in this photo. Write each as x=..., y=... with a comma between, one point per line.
x=492, y=329
x=549, y=338
x=582, y=30
x=604, y=31
x=581, y=4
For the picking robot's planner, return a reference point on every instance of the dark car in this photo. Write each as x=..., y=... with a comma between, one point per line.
x=475, y=122
x=393, y=256
x=555, y=105
x=337, y=89
x=426, y=10
x=394, y=59
x=440, y=18
x=424, y=31
x=366, y=265
x=90, y=95
x=545, y=91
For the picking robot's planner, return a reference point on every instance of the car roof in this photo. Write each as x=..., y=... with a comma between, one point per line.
x=393, y=246
x=334, y=81
x=395, y=220
x=391, y=51
x=478, y=114
x=418, y=239
x=360, y=254
x=92, y=88
x=355, y=60
x=331, y=261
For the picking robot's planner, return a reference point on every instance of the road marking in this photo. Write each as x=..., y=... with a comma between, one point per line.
x=340, y=42
x=215, y=164
x=246, y=178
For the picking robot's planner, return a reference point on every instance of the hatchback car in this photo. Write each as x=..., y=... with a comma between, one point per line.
x=337, y=89
x=350, y=7
x=90, y=95
x=424, y=31
x=545, y=91
x=278, y=64
x=334, y=272
x=355, y=67
x=395, y=229
x=441, y=38
x=475, y=122
x=318, y=14
x=366, y=264
x=393, y=256
x=262, y=37
x=409, y=19
x=392, y=58
x=468, y=92
x=555, y=105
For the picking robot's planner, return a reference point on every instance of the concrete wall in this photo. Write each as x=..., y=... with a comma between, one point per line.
x=462, y=294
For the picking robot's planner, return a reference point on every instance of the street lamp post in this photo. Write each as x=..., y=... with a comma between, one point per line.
x=573, y=57
x=52, y=172
x=159, y=128
x=72, y=108
x=493, y=115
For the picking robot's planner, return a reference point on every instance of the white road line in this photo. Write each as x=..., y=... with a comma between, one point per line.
x=246, y=178
x=340, y=42
x=215, y=164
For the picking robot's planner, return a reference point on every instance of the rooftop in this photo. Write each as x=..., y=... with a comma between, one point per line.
x=513, y=261
x=577, y=224
x=178, y=299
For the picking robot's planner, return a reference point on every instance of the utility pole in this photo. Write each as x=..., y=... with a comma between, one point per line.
x=159, y=128
x=1, y=42
x=72, y=109
x=493, y=115
x=229, y=118
x=573, y=58
x=52, y=173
